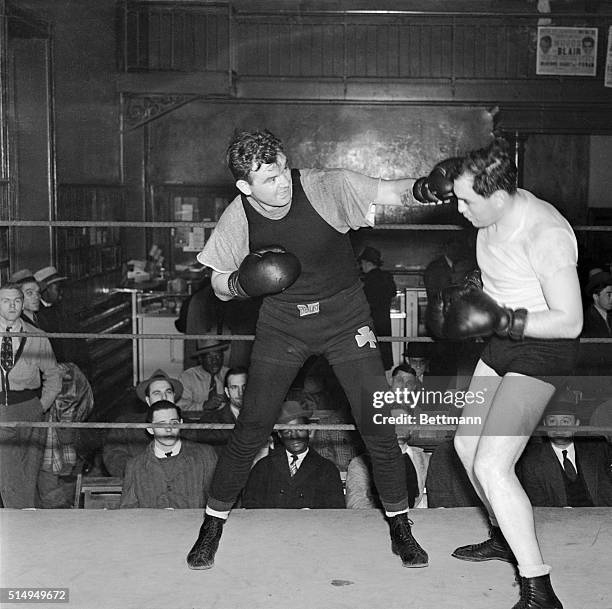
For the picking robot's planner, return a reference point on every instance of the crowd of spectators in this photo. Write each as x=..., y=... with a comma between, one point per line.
x=163, y=466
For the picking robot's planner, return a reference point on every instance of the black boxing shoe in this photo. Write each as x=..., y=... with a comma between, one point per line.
x=494, y=548
x=537, y=593
x=404, y=544
x=202, y=555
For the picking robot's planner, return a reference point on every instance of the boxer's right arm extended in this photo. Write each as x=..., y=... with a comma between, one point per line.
x=268, y=270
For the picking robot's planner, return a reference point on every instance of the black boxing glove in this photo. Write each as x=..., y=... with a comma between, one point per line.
x=471, y=313
x=268, y=270
x=438, y=185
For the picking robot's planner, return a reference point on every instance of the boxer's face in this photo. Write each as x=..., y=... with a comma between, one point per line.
x=270, y=185
x=480, y=211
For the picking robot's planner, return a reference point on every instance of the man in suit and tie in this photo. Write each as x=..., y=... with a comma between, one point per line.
x=565, y=470
x=294, y=476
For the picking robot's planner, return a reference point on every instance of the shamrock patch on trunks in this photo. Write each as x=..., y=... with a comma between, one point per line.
x=364, y=336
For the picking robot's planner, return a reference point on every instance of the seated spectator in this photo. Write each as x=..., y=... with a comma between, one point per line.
x=62, y=460
x=170, y=473
x=121, y=445
x=405, y=376
x=602, y=417
x=339, y=446
x=447, y=483
x=598, y=314
x=203, y=385
x=565, y=470
x=361, y=494
x=294, y=476
x=234, y=385
x=595, y=359
x=417, y=356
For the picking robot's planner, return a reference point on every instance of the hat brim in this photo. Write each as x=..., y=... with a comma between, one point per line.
x=209, y=349
x=48, y=282
x=141, y=388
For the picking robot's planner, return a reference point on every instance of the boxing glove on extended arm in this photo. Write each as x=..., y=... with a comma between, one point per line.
x=268, y=270
x=471, y=313
x=438, y=185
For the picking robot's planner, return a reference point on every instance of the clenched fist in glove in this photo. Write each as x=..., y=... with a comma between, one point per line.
x=467, y=312
x=268, y=270
x=438, y=185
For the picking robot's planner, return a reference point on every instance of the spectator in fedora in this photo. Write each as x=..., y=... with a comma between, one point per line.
x=52, y=318
x=294, y=476
x=379, y=289
x=203, y=385
x=31, y=294
x=565, y=470
x=123, y=444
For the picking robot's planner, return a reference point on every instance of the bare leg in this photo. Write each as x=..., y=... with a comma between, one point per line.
x=467, y=438
x=517, y=408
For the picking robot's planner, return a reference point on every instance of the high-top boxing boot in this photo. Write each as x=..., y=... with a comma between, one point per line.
x=404, y=544
x=494, y=548
x=202, y=555
x=537, y=593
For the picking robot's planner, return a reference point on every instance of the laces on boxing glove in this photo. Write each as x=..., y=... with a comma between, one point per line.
x=234, y=287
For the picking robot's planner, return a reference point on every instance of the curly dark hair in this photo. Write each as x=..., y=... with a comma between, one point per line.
x=249, y=150
x=493, y=168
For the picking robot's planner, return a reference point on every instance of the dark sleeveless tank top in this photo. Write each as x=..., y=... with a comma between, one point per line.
x=326, y=255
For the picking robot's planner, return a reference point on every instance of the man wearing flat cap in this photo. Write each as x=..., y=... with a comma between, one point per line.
x=123, y=444
x=204, y=384
x=294, y=476
x=380, y=290
x=565, y=470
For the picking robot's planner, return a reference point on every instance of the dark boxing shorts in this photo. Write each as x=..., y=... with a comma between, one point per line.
x=548, y=360
x=338, y=327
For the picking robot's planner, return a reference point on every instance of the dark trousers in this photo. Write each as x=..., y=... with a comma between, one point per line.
x=21, y=453
x=283, y=343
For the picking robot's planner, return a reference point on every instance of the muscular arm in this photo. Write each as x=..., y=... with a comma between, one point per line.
x=395, y=192
x=564, y=317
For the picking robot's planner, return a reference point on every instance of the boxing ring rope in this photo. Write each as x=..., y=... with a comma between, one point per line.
x=586, y=430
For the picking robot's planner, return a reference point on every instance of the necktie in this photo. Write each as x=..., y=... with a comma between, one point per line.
x=293, y=465
x=168, y=454
x=212, y=387
x=570, y=470
x=6, y=353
